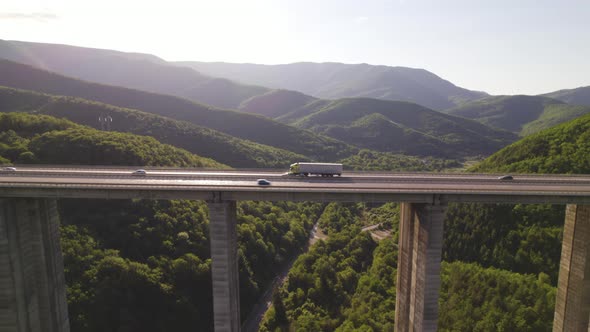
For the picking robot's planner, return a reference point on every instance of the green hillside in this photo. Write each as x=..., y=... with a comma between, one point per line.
x=578, y=96
x=552, y=116
x=276, y=103
x=27, y=138
x=369, y=160
x=298, y=113
x=337, y=80
x=523, y=115
x=402, y=127
x=376, y=131
x=131, y=70
x=242, y=125
x=196, y=139
x=562, y=149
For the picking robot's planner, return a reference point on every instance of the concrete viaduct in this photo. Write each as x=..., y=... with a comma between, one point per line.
x=32, y=286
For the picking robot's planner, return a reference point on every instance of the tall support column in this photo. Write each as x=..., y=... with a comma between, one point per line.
x=32, y=283
x=418, y=270
x=572, y=305
x=224, y=265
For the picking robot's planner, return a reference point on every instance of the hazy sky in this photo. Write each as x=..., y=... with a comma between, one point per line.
x=498, y=46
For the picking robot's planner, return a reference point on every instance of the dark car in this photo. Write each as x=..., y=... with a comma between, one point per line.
x=505, y=177
x=263, y=182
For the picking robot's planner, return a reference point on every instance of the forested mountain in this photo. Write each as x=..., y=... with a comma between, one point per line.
x=276, y=103
x=523, y=115
x=283, y=105
x=578, y=96
x=368, y=123
x=400, y=127
x=559, y=150
x=393, y=126
x=27, y=138
x=150, y=73
x=131, y=70
x=196, y=139
x=370, y=160
x=239, y=124
x=338, y=80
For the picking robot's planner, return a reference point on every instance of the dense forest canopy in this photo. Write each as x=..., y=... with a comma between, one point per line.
x=563, y=149
x=347, y=283
x=29, y=138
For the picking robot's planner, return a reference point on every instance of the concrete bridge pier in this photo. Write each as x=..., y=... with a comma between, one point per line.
x=224, y=265
x=32, y=283
x=418, y=267
x=572, y=305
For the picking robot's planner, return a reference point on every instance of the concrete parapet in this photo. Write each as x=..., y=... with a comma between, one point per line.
x=32, y=283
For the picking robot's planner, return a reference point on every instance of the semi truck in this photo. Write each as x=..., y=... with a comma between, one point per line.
x=321, y=169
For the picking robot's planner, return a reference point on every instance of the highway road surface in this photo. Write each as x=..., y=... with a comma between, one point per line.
x=95, y=182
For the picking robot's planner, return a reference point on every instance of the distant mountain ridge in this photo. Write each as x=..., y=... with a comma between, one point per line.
x=255, y=128
x=338, y=80
x=317, y=129
x=520, y=114
x=132, y=70
x=193, y=138
x=401, y=128
x=382, y=125
x=219, y=88
x=275, y=103
x=578, y=96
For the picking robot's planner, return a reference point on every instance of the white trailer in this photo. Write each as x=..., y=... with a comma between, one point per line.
x=321, y=169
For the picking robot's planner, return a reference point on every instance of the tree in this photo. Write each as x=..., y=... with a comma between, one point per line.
x=280, y=313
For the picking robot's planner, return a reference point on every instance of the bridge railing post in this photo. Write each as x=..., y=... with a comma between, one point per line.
x=224, y=265
x=419, y=262
x=32, y=282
